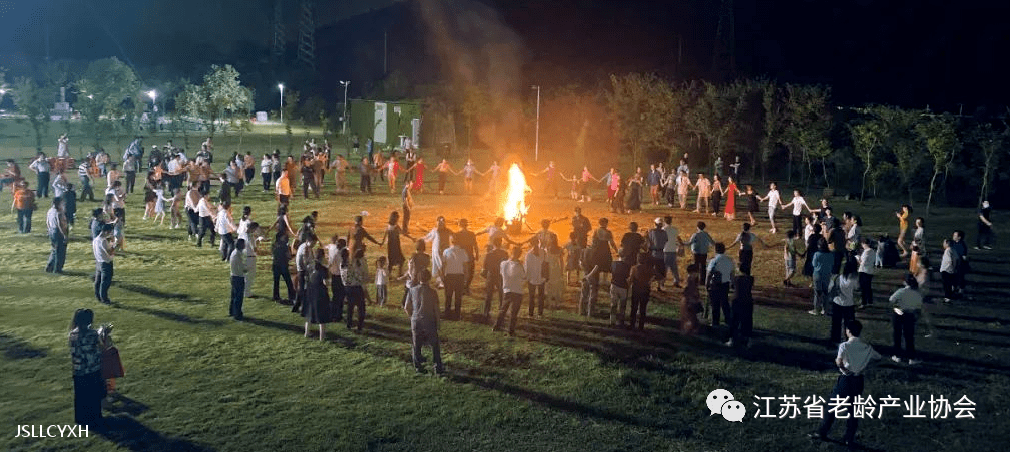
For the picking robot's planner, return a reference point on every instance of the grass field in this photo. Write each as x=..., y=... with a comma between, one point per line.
x=197, y=380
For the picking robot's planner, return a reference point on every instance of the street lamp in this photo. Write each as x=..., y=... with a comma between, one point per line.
x=281, y=87
x=343, y=119
x=536, y=154
x=154, y=96
x=154, y=107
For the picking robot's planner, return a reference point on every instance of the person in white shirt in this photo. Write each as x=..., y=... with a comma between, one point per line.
x=56, y=226
x=239, y=268
x=303, y=265
x=536, y=278
x=718, y=292
x=453, y=270
x=206, y=215
x=774, y=200
x=866, y=271
x=948, y=270
x=225, y=227
x=333, y=262
x=42, y=167
x=798, y=204
x=266, y=171
x=249, y=231
x=844, y=309
x=906, y=303
x=853, y=357
x=103, y=248
x=381, y=280
x=672, y=247
x=513, y=279
x=60, y=185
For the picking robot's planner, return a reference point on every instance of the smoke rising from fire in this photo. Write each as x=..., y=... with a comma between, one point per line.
x=477, y=50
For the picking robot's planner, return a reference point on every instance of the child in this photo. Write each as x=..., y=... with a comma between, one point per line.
x=159, y=204
x=573, y=251
x=177, y=201
x=381, y=279
x=691, y=306
x=789, y=253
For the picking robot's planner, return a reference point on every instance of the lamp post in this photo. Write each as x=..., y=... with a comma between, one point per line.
x=343, y=118
x=154, y=107
x=281, y=87
x=536, y=152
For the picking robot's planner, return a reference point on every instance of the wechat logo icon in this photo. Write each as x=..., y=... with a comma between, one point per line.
x=722, y=402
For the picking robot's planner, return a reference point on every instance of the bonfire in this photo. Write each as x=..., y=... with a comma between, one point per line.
x=515, y=208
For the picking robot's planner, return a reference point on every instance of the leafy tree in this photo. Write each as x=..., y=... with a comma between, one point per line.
x=715, y=115
x=643, y=105
x=220, y=94
x=808, y=124
x=939, y=134
x=103, y=87
x=990, y=141
x=775, y=121
x=867, y=139
x=33, y=102
x=904, y=143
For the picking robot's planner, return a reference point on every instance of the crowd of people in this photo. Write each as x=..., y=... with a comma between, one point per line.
x=331, y=278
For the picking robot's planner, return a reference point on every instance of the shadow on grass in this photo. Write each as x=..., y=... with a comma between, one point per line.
x=16, y=348
x=173, y=316
x=128, y=433
x=155, y=293
x=118, y=403
x=465, y=375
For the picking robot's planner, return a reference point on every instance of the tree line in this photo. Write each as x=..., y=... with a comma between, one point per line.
x=782, y=131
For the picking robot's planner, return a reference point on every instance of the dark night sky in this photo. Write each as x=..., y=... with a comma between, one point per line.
x=910, y=52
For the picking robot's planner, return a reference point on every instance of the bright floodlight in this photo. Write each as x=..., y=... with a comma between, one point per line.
x=152, y=94
x=280, y=86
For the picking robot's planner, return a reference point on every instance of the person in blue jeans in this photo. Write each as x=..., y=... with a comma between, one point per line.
x=823, y=264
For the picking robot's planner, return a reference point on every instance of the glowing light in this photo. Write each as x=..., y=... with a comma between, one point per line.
x=515, y=196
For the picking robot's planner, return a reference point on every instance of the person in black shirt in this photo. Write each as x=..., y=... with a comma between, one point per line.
x=984, y=240
x=632, y=243
x=467, y=240
x=492, y=275
x=619, y=291
x=281, y=266
x=581, y=227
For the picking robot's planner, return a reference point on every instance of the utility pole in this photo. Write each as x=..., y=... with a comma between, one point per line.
x=281, y=86
x=346, y=83
x=536, y=152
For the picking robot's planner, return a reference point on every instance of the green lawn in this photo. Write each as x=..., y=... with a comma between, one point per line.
x=197, y=380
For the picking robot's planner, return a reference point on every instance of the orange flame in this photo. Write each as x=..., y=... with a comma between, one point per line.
x=515, y=197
